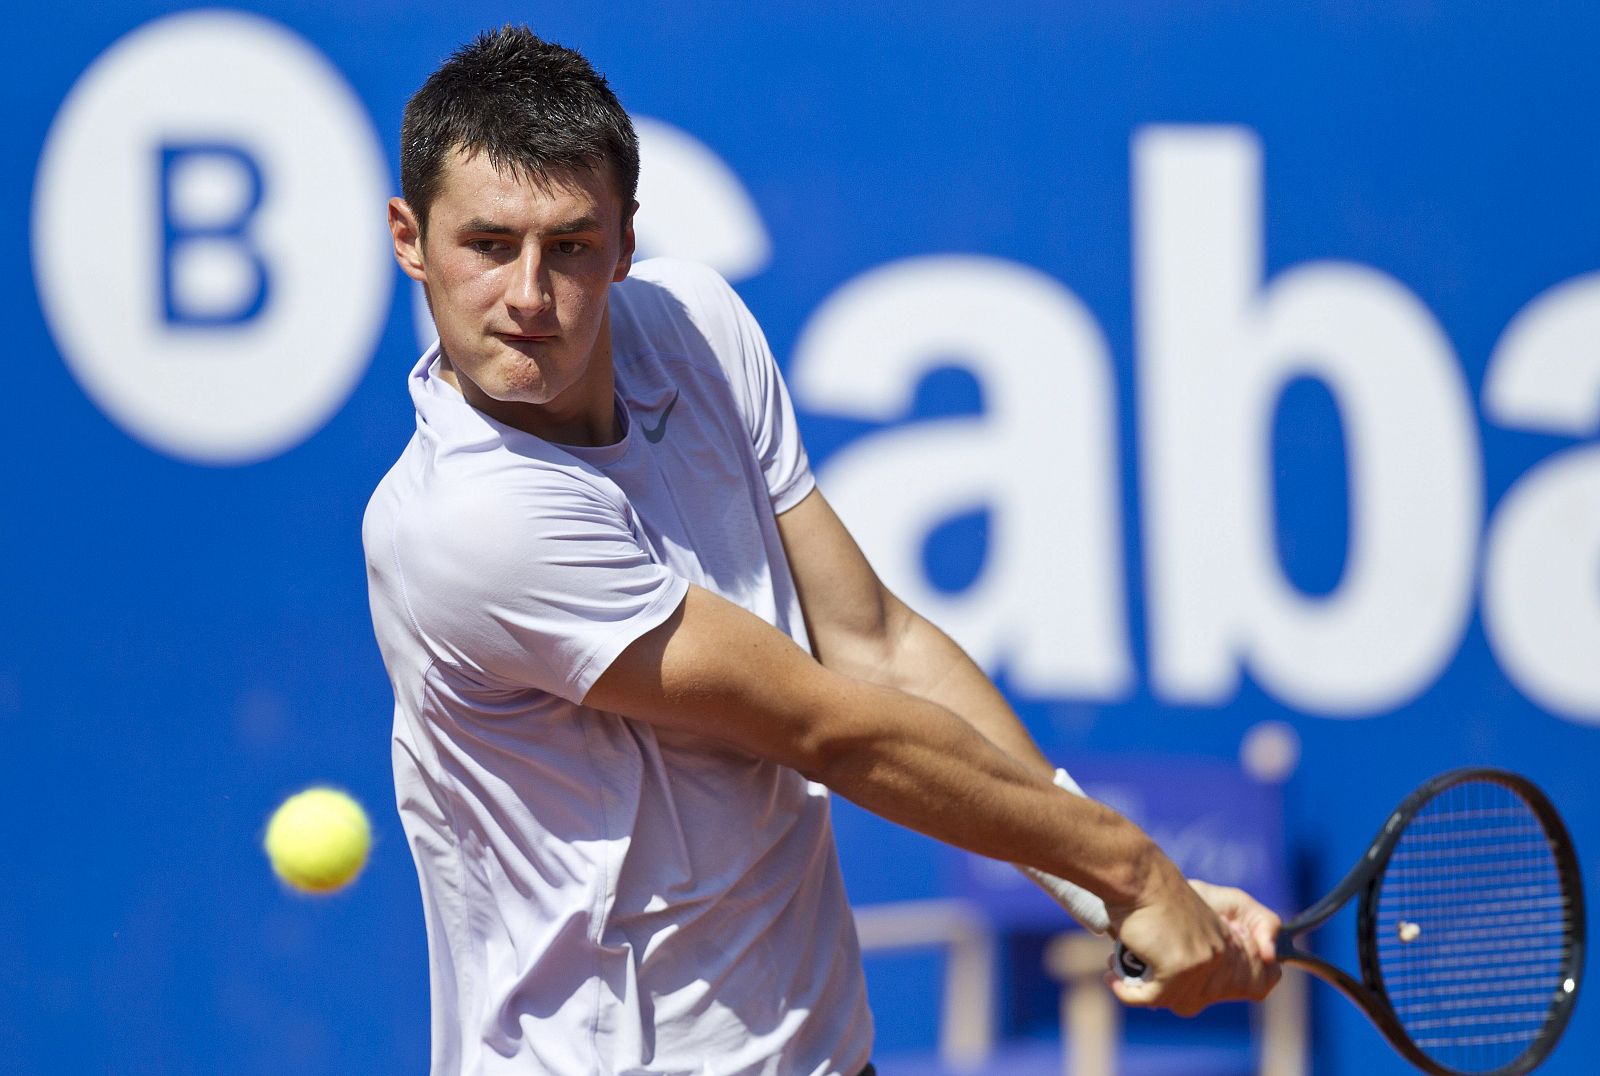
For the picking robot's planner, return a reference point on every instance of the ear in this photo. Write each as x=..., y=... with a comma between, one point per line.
x=407, y=240
x=625, y=259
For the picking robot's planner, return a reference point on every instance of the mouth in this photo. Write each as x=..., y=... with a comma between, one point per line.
x=528, y=345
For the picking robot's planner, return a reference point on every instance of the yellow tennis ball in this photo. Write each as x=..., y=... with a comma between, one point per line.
x=318, y=840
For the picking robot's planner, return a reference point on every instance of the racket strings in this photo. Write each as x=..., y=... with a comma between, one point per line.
x=1444, y=858
x=1534, y=897
x=1450, y=836
x=1511, y=878
x=1492, y=926
x=1469, y=947
x=1443, y=815
x=1468, y=989
x=1474, y=927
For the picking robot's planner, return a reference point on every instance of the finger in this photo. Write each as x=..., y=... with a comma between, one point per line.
x=1241, y=934
x=1245, y=975
x=1267, y=978
x=1260, y=932
x=1142, y=993
x=1266, y=939
x=1227, y=900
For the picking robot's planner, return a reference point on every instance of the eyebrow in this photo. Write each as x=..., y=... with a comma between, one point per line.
x=484, y=226
x=584, y=223
x=480, y=224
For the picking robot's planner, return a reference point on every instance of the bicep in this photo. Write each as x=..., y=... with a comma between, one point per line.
x=717, y=670
x=853, y=619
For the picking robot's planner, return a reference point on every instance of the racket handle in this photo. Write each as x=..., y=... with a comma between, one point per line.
x=1132, y=968
x=1088, y=909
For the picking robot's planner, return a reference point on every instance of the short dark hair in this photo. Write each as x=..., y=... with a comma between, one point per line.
x=531, y=105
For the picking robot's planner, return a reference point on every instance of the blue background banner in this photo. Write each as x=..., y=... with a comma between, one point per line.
x=1225, y=378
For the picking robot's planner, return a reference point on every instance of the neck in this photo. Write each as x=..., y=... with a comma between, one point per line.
x=585, y=415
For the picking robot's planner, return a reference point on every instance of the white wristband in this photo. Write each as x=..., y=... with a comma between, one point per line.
x=1088, y=909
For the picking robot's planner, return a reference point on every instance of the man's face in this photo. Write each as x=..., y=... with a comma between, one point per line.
x=518, y=273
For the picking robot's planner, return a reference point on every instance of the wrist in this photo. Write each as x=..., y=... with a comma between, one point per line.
x=1148, y=878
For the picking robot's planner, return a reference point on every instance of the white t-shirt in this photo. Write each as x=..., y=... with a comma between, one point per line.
x=603, y=897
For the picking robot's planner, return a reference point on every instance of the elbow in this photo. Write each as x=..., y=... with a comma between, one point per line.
x=844, y=771
x=830, y=757
x=869, y=646
x=839, y=744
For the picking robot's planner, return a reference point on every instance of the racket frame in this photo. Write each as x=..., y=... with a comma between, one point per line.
x=1365, y=879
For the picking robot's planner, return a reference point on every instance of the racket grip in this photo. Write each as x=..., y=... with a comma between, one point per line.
x=1132, y=968
x=1088, y=909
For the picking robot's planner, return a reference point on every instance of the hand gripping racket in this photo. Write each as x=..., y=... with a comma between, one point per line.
x=1469, y=927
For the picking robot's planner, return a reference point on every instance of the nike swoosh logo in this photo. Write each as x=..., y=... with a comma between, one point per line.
x=660, y=430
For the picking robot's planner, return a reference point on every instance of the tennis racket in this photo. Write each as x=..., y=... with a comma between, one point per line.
x=1469, y=926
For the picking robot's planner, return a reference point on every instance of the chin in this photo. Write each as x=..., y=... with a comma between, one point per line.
x=536, y=395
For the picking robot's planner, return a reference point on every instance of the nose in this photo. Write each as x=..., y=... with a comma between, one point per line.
x=528, y=288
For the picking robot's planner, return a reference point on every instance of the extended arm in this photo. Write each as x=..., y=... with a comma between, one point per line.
x=858, y=627
x=719, y=671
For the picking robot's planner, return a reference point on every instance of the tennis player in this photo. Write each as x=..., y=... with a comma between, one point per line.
x=632, y=647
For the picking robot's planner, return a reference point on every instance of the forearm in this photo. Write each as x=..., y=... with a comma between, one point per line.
x=713, y=669
x=1005, y=813
x=923, y=661
x=929, y=663
x=924, y=767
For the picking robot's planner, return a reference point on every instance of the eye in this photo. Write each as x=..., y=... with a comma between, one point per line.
x=570, y=246
x=486, y=246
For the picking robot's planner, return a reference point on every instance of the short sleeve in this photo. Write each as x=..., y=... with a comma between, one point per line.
x=531, y=588
x=758, y=385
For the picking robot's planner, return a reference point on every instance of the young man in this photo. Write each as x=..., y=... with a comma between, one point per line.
x=631, y=644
